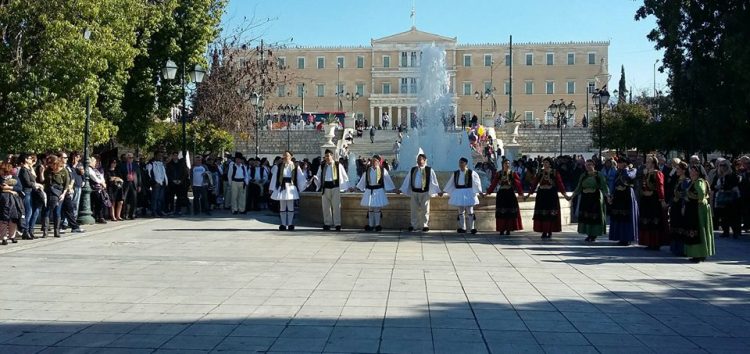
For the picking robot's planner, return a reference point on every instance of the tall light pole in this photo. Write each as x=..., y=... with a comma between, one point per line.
x=481, y=97
x=562, y=112
x=601, y=98
x=289, y=111
x=196, y=75
x=257, y=101
x=656, y=62
x=352, y=98
x=339, y=89
x=510, y=79
x=85, y=216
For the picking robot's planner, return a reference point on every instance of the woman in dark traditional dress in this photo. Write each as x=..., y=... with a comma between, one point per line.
x=652, y=231
x=677, y=209
x=623, y=225
x=593, y=189
x=547, y=206
x=507, y=212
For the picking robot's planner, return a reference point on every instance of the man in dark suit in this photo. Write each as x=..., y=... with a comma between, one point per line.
x=130, y=173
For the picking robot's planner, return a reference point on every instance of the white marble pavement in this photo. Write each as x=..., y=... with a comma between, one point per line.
x=227, y=284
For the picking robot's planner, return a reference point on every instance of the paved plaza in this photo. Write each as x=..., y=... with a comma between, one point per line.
x=227, y=284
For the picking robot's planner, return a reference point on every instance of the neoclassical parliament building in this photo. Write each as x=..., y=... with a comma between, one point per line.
x=386, y=73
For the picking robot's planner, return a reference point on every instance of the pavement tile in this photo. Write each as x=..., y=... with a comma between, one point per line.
x=398, y=346
x=192, y=342
x=299, y=345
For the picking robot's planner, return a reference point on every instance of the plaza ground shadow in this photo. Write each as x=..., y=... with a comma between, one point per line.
x=689, y=316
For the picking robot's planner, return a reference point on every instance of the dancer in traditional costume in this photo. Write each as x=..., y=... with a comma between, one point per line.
x=623, y=225
x=699, y=241
x=286, y=183
x=420, y=184
x=507, y=212
x=677, y=209
x=463, y=187
x=594, y=191
x=333, y=180
x=375, y=181
x=652, y=231
x=547, y=184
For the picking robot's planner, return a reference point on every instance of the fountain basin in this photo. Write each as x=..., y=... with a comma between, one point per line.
x=397, y=215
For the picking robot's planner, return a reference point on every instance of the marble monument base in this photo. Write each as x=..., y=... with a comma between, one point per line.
x=396, y=216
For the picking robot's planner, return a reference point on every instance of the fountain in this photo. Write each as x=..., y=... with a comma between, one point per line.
x=435, y=103
x=443, y=149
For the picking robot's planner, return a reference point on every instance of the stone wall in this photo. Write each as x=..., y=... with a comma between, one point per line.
x=303, y=143
x=575, y=140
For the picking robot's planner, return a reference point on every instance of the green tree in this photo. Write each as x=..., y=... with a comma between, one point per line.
x=706, y=56
x=180, y=30
x=48, y=69
x=626, y=126
x=622, y=88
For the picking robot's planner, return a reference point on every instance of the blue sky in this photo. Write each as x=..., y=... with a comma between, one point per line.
x=335, y=22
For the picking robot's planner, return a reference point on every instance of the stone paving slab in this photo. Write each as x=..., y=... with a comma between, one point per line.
x=226, y=284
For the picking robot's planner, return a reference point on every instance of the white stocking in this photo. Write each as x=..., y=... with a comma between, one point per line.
x=461, y=218
x=371, y=218
x=286, y=212
x=377, y=214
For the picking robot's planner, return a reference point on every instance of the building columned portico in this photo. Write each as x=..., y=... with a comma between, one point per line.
x=386, y=73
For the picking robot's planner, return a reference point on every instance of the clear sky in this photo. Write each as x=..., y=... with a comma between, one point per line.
x=336, y=22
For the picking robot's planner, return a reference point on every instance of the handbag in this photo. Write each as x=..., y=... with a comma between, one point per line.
x=56, y=190
x=692, y=238
x=725, y=198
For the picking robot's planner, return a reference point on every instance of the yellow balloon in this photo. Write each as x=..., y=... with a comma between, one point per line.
x=480, y=131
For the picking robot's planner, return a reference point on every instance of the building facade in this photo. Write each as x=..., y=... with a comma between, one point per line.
x=386, y=74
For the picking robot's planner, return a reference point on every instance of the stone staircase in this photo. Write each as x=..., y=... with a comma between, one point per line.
x=576, y=140
x=383, y=145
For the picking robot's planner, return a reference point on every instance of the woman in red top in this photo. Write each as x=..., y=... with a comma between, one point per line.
x=547, y=217
x=653, y=220
x=507, y=212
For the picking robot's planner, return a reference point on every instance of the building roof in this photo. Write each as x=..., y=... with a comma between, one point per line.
x=413, y=36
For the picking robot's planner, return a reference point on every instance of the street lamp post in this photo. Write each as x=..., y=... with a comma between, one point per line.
x=352, y=98
x=339, y=89
x=257, y=101
x=481, y=97
x=600, y=98
x=289, y=111
x=562, y=112
x=85, y=216
x=170, y=72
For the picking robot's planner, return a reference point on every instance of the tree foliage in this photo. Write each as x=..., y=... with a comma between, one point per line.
x=706, y=56
x=203, y=137
x=48, y=68
x=240, y=66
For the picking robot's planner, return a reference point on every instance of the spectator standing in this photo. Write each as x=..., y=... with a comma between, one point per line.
x=159, y=182
x=200, y=178
x=130, y=173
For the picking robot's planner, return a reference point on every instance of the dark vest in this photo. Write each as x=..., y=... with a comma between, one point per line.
x=379, y=184
x=335, y=182
x=281, y=181
x=235, y=168
x=428, y=177
x=251, y=171
x=468, y=181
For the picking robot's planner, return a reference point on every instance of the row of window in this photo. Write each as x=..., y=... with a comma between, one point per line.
x=411, y=59
x=320, y=90
x=410, y=85
x=549, y=87
x=550, y=59
x=340, y=62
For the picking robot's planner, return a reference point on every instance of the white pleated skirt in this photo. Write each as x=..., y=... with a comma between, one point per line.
x=288, y=193
x=374, y=198
x=464, y=197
